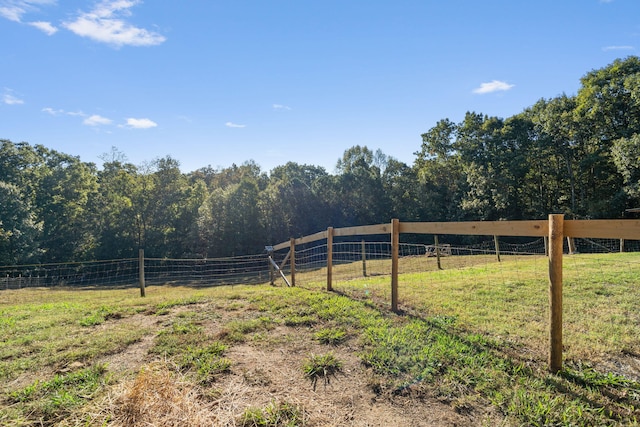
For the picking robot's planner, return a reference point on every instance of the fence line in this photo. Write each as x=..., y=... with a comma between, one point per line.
x=554, y=231
x=555, y=234
x=139, y=271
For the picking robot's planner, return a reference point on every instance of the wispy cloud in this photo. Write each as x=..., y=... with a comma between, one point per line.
x=280, y=107
x=55, y=112
x=493, y=86
x=45, y=27
x=140, y=123
x=607, y=48
x=52, y=111
x=9, y=99
x=97, y=120
x=14, y=10
x=233, y=125
x=106, y=23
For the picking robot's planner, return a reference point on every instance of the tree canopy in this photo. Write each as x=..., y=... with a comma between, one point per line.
x=578, y=155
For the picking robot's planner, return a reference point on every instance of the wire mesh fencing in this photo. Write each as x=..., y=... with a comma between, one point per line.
x=126, y=272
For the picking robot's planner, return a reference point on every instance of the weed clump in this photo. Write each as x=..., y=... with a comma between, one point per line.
x=322, y=366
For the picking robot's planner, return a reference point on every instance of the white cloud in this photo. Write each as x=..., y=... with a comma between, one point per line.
x=11, y=13
x=13, y=10
x=607, y=48
x=493, y=86
x=233, y=125
x=55, y=112
x=281, y=107
x=11, y=100
x=141, y=123
x=96, y=120
x=105, y=24
x=45, y=27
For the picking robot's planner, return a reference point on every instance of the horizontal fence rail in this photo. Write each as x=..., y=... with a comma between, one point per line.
x=558, y=237
x=379, y=253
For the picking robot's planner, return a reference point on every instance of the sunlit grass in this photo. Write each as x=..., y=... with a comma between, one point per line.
x=510, y=299
x=471, y=335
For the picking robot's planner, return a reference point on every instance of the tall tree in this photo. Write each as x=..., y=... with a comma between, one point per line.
x=113, y=207
x=440, y=174
x=63, y=207
x=19, y=231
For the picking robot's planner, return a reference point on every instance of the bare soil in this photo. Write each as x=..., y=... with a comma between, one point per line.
x=266, y=370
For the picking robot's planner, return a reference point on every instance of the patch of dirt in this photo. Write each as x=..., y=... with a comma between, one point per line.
x=130, y=360
x=268, y=369
x=274, y=374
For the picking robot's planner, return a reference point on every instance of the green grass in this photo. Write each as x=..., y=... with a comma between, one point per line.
x=54, y=399
x=473, y=336
x=510, y=299
x=276, y=414
x=322, y=366
x=331, y=336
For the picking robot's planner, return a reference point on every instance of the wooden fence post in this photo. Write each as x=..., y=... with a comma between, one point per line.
x=556, y=235
x=546, y=245
x=395, y=243
x=272, y=277
x=571, y=243
x=141, y=272
x=292, y=261
x=363, y=249
x=497, y=245
x=437, y=245
x=621, y=245
x=330, y=259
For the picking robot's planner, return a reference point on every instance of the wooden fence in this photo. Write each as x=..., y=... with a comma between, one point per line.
x=554, y=230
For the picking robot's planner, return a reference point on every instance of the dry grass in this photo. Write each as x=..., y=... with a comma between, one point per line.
x=159, y=396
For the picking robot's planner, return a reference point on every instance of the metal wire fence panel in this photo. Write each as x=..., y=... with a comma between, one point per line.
x=208, y=272
x=125, y=272
x=98, y=273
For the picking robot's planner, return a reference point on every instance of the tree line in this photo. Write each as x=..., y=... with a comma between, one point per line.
x=578, y=155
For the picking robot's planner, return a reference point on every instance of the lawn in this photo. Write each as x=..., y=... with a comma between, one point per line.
x=468, y=348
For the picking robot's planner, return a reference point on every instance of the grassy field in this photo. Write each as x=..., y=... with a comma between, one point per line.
x=468, y=348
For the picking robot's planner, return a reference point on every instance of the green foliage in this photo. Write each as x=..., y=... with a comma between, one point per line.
x=573, y=154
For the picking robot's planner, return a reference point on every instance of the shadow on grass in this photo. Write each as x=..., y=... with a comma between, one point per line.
x=502, y=373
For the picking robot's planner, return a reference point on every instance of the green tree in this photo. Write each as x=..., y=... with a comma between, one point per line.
x=113, y=208
x=291, y=205
x=19, y=231
x=165, y=197
x=440, y=175
x=626, y=157
x=356, y=194
x=63, y=207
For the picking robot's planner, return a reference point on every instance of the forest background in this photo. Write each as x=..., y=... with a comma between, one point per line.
x=573, y=154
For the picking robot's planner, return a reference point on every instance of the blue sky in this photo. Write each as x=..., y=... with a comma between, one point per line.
x=220, y=82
